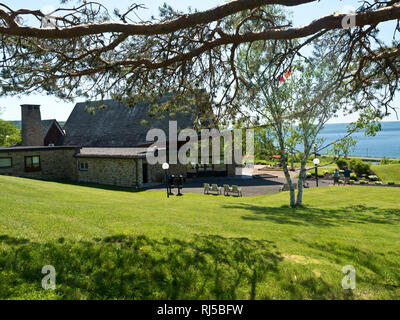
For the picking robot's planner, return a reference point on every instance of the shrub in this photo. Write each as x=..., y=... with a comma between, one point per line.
x=390, y=183
x=360, y=167
x=385, y=161
x=363, y=182
x=341, y=163
x=352, y=181
x=378, y=182
x=353, y=176
x=341, y=182
x=259, y=161
x=373, y=178
x=320, y=174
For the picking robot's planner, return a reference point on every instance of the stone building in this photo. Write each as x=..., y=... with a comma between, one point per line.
x=102, y=142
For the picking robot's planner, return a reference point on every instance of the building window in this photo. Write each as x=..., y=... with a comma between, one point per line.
x=83, y=166
x=32, y=163
x=5, y=162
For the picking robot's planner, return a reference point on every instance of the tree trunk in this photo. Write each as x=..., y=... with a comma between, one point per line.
x=290, y=183
x=302, y=177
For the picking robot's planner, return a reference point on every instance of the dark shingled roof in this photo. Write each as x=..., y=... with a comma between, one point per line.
x=116, y=125
x=46, y=125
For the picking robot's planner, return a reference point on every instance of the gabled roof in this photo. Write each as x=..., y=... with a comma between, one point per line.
x=46, y=125
x=117, y=125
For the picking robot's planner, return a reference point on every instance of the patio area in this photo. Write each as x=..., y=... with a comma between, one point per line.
x=251, y=185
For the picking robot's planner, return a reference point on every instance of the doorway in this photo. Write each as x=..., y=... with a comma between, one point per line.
x=145, y=173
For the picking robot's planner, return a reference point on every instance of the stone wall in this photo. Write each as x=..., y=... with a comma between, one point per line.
x=111, y=171
x=56, y=164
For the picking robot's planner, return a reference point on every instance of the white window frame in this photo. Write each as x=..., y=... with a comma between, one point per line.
x=83, y=166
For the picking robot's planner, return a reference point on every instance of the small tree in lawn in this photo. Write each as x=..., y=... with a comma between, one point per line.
x=295, y=106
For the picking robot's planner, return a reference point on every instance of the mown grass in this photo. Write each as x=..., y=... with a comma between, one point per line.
x=116, y=244
x=388, y=172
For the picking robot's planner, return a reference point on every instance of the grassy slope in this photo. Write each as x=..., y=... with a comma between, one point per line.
x=119, y=244
x=390, y=172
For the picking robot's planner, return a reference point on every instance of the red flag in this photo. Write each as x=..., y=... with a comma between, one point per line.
x=287, y=74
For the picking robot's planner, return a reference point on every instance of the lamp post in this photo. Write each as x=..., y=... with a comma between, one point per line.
x=316, y=163
x=165, y=167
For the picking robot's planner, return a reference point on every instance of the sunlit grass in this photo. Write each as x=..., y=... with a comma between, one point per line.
x=114, y=243
x=387, y=173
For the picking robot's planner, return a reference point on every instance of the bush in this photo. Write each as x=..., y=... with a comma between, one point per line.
x=259, y=161
x=341, y=163
x=373, y=178
x=385, y=161
x=378, y=182
x=341, y=182
x=353, y=176
x=320, y=174
x=352, y=181
x=363, y=182
x=360, y=167
x=390, y=183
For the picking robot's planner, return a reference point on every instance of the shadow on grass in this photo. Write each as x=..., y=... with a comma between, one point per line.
x=101, y=186
x=376, y=271
x=319, y=217
x=121, y=267
x=139, y=268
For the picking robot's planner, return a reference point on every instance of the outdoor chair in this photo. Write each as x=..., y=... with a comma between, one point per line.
x=215, y=189
x=207, y=188
x=236, y=190
x=227, y=189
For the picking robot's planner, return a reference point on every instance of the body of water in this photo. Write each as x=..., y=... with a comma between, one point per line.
x=386, y=143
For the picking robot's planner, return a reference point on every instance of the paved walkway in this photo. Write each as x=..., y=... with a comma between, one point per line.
x=250, y=185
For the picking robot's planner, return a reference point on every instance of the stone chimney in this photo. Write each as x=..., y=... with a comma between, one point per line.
x=31, y=131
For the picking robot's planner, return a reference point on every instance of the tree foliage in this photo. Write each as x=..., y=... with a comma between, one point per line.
x=9, y=134
x=89, y=51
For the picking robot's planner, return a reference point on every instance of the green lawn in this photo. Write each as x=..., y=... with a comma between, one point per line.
x=108, y=244
x=389, y=172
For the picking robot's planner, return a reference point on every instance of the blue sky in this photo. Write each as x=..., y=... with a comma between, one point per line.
x=60, y=110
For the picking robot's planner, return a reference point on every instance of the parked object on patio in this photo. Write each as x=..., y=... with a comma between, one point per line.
x=180, y=184
x=232, y=190
x=285, y=187
x=207, y=188
x=214, y=189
